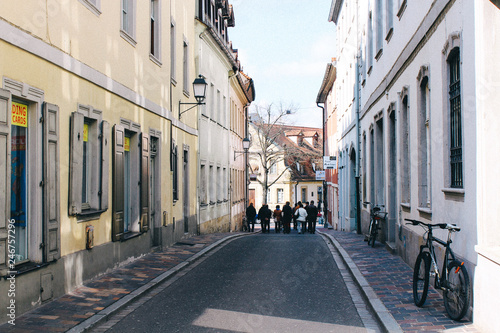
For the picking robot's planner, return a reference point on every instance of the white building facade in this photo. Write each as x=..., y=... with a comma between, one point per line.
x=417, y=143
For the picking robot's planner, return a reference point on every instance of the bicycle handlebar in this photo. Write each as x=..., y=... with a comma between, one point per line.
x=451, y=227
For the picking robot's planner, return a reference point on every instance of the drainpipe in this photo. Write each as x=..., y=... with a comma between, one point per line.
x=357, y=175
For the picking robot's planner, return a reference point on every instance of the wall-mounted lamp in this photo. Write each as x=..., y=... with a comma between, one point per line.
x=246, y=146
x=199, y=89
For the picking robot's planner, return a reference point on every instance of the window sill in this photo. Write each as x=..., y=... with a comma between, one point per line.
x=389, y=35
x=454, y=191
x=425, y=210
x=125, y=35
x=154, y=59
x=406, y=206
x=89, y=214
x=379, y=54
x=26, y=268
x=173, y=81
x=130, y=235
x=401, y=9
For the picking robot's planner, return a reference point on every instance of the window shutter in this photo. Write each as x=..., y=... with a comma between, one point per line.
x=51, y=182
x=76, y=162
x=5, y=146
x=105, y=144
x=118, y=181
x=144, y=181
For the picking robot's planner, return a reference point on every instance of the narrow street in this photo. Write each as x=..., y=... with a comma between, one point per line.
x=260, y=283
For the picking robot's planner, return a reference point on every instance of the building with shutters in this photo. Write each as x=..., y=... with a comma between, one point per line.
x=96, y=165
x=416, y=98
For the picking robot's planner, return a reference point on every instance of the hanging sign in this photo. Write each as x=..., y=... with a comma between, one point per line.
x=320, y=174
x=329, y=162
x=19, y=114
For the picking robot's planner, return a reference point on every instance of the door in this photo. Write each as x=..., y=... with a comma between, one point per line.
x=251, y=197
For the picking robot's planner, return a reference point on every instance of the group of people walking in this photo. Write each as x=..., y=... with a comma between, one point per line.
x=302, y=215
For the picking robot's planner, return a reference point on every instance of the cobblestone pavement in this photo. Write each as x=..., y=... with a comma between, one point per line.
x=72, y=309
x=391, y=280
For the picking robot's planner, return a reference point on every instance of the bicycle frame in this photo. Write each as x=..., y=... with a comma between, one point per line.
x=449, y=256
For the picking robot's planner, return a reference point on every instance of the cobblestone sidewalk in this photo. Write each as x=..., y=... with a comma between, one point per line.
x=391, y=279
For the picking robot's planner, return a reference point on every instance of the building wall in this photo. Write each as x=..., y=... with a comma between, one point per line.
x=214, y=122
x=77, y=60
x=486, y=286
x=406, y=73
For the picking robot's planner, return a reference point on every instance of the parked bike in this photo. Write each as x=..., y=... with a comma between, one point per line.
x=376, y=216
x=453, y=279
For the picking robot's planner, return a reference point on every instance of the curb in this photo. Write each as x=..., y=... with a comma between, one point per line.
x=102, y=315
x=383, y=315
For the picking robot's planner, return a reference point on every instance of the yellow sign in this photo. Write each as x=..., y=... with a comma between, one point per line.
x=127, y=144
x=19, y=114
x=85, y=132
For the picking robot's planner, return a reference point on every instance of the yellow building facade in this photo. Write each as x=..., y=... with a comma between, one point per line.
x=95, y=165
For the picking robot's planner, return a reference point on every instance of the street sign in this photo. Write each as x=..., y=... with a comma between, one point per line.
x=329, y=162
x=320, y=175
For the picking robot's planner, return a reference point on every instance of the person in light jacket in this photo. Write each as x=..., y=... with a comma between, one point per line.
x=301, y=215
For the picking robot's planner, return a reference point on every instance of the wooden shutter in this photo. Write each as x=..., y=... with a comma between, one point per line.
x=51, y=172
x=105, y=144
x=118, y=181
x=75, y=163
x=5, y=146
x=145, y=181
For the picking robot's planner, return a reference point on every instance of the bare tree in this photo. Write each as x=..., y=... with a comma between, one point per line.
x=268, y=123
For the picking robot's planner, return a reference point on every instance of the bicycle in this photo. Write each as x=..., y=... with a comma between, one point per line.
x=376, y=215
x=454, y=281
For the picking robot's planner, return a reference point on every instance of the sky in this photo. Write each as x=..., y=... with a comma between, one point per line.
x=284, y=46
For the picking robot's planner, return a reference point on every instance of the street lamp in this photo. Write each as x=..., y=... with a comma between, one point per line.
x=246, y=146
x=199, y=89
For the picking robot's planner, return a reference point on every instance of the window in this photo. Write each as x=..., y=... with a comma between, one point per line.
x=224, y=184
x=369, y=37
x=29, y=176
x=212, y=185
x=303, y=194
x=280, y=195
x=379, y=28
x=174, y=169
x=219, y=184
x=389, y=19
x=424, y=185
x=273, y=169
x=268, y=194
x=130, y=180
x=172, y=53
x=203, y=185
x=405, y=148
x=155, y=29
x=93, y=5
x=128, y=21
x=455, y=119
x=89, y=159
x=185, y=64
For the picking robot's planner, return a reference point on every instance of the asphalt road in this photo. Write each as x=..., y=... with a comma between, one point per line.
x=260, y=283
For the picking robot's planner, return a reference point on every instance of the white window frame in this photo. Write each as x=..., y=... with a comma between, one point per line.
x=93, y=5
x=155, y=39
x=128, y=27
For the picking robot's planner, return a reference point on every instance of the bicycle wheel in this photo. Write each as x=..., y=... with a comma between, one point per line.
x=373, y=233
x=457, y=294
x=421, y=275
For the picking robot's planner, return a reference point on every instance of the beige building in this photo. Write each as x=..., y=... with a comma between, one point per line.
x=292, y=162
x=97, y=164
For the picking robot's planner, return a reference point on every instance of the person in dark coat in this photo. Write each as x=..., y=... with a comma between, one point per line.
x=265, y=218
x=287, y=217
x=251, y=213
x=312, y=215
